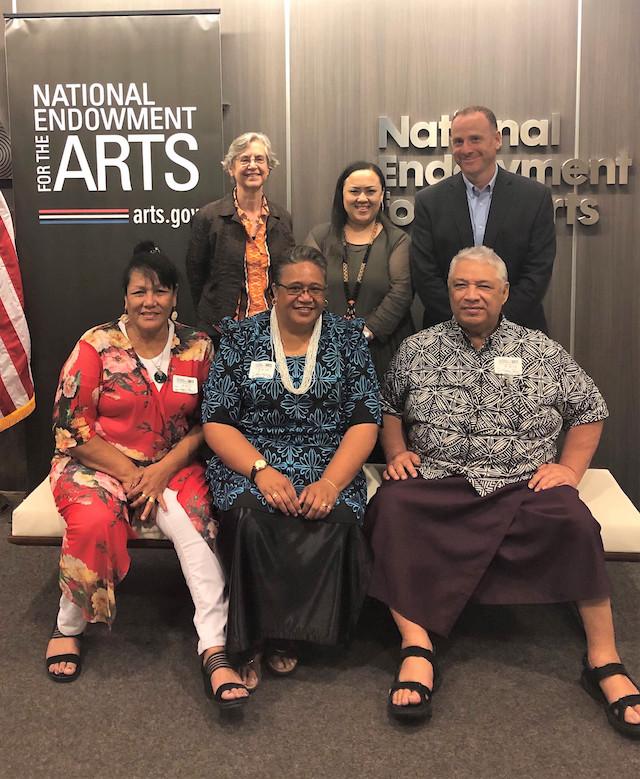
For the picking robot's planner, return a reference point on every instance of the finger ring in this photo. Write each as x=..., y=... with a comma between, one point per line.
x=144, y=494
x=324, y=506
x=275, y=495
x=151, y=500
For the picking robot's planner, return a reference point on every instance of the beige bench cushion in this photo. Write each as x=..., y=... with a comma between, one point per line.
x=37, y=515
x=620, y=520
x=618, y=517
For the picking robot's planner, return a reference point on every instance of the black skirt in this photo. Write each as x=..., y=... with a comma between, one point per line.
x=291, y=578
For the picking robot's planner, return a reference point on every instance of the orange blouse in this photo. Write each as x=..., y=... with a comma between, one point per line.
x=254, y=298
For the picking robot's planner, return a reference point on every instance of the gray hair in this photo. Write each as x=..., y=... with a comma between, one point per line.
x=481, y=254
x=242, y=142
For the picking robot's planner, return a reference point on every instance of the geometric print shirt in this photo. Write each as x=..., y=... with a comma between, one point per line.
x=471, y=413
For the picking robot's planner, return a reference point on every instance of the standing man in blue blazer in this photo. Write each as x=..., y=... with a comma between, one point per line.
x=483, y=205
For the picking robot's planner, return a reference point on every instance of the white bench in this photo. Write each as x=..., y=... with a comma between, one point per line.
x=618, y=517
x=36, y=519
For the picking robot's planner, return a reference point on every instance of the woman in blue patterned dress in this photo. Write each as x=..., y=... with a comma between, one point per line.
x=291, y=412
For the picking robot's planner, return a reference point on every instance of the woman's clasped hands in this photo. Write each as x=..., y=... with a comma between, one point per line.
x=145, y=488
x=314, y=502
x=317, y=499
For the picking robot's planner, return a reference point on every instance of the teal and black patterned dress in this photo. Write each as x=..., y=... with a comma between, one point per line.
x=291, y=578
x=297, y=434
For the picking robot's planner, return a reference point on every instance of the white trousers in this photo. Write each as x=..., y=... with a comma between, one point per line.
x=202, y=571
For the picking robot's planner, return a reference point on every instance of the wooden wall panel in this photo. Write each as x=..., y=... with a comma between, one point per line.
x=608, y=269
x=253, y=77
x=352, y=62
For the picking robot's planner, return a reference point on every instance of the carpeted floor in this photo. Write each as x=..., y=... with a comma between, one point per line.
x=510, y=705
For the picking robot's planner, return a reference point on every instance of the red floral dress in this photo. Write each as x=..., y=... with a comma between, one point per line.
x=105, y=390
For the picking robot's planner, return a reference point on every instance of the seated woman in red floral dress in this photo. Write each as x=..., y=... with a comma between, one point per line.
x=127, y=432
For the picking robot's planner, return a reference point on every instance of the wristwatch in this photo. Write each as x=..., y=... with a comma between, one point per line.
x=259, y=465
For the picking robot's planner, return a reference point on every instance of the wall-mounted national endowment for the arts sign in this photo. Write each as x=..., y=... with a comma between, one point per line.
x=116, y=129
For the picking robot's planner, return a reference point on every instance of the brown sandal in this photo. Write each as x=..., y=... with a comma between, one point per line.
x=284, y=650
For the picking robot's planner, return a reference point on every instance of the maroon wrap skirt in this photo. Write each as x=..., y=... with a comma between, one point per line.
x=437, y=545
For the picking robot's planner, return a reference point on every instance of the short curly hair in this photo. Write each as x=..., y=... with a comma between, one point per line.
x=242, y=142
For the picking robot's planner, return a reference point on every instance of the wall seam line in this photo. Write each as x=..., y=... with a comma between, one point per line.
x=287, y=98
x=576, y=154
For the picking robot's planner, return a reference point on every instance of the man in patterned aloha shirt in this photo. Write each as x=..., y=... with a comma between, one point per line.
x=475, y=504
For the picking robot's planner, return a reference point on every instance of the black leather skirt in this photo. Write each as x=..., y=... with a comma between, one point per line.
x=291, y=578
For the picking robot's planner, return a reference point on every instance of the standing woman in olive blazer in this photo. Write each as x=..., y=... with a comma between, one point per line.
x=234, y=239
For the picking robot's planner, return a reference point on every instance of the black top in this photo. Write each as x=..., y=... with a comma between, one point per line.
x=215, y=258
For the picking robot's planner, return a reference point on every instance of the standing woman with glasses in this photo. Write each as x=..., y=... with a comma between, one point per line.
x=368, y=271
x=291, y=412
x=234, y=239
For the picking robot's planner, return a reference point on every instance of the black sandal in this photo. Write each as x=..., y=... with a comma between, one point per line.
x=66, y=658
x=615, y=711
x=214, y=662
x=414, y=711
x=282, y=650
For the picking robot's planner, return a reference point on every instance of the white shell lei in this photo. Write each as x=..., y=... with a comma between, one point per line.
x=281, y=360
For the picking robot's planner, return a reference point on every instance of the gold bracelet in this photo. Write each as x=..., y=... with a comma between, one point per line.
x=324, y=478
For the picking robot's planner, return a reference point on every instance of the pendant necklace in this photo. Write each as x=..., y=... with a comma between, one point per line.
x=281, y=359
x=252, y=226
x=352, y=297
x=162, y=359
x=159, y=376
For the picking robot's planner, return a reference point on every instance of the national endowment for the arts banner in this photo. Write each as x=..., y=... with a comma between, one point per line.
x=116, y=128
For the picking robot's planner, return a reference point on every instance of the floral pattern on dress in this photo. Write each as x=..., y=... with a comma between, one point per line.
x=105, y=390
x=297, y=434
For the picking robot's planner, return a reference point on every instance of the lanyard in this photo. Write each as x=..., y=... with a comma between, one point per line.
x=352, y=296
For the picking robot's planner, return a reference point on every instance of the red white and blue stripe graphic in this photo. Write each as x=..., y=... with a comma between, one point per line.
x=83, y=216
x=17, y=398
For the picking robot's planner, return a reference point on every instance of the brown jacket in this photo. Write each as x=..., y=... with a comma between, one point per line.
x=215, y=257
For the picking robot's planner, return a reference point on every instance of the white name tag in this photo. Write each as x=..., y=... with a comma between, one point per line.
x=186, y=384
x=508, y=366
x=262, y=369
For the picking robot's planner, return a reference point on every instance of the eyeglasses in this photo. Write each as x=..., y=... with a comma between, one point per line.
x=246, y=160
x=295, y=290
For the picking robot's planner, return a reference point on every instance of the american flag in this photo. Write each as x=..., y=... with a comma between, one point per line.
x=17, y=398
